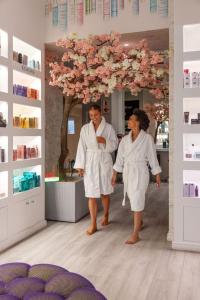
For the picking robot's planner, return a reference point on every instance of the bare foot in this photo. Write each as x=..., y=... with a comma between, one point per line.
x=105, y=221
x=91, y=230
x=133, y=239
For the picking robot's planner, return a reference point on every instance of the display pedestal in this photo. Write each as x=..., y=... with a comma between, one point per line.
x=65, y=201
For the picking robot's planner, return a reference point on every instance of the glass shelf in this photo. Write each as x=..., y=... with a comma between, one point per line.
x=32, y=54
x=3, y=184
x=26, y=179
x=26, y=147
x=3, y=149
x=3, y=114
x=3, y=43
x=191, y=111
x=191, y=147
x=191, y=183
x=3, y=79
x=191, y=40
x=22, y=82
x=26, y=112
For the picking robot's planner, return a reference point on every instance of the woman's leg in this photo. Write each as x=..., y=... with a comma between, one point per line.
x=137, y=220
x=92, y=203
x=106, y=205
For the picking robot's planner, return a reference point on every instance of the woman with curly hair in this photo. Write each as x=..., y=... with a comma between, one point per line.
x=135, y=152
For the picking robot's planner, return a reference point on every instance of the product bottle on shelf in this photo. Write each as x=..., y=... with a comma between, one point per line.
x=192, y=190
x=196, y=191
x=195, y=80
x=186, y=78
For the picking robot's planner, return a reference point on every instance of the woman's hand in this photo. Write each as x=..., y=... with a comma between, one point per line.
x=81, y=172
x=114, y=178
x=158, y=180
x=101, y=140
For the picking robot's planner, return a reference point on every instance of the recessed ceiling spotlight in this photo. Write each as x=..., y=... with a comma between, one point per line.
x=126, y=45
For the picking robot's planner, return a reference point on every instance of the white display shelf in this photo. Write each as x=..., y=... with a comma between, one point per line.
x=3, y=61
x=194, y=128
x=3, y=79
x=26, y=49
x=12, y=72
x=27, y=194
x=191, y=56
x=4, y=145
x=26, y=163
x=3, y=43
x=29, y=81
x=25, y=69
x=191, y=147
x=3, y=184
x=191, y=40
x=191, y=93
x=27, y=112
x=26, y=131
x=26, y=101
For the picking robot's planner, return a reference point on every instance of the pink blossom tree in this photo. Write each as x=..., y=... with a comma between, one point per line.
x=95, y=67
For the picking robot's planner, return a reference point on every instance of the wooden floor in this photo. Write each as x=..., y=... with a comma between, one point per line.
x=148, y=270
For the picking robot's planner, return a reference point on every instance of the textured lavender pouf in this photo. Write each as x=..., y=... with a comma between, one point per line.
x=44, y=282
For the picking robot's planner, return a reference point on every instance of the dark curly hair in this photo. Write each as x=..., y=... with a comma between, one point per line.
x=142, y=118
x=95, y=107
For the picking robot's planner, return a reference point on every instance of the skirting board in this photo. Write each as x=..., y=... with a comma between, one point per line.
x=186, y=246
x=22, y=235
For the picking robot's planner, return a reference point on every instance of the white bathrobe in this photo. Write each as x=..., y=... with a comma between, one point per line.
x=96, y=159
x=132, y=160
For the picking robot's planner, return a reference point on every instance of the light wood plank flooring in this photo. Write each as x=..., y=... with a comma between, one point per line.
x=149, y=270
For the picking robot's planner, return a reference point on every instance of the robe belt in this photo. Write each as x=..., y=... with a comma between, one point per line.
x=133, y=165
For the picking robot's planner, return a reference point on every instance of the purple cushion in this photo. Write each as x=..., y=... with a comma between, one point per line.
x=64, y=284
x=44, y=282
x=45, y=271
x=2, y=287
x=8, y=297
x=43, y=296
x=11, y=271
x=22, y=286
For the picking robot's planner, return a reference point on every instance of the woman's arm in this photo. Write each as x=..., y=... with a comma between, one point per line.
x=81, y=154
x=152, y=159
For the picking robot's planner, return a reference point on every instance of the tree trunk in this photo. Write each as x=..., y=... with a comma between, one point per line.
x=67, y=106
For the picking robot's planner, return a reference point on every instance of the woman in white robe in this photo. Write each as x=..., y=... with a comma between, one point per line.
x=136, y=150
x=94, y=161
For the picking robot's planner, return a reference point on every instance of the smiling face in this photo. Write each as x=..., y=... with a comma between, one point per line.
x=95, y=116
x=133, y=123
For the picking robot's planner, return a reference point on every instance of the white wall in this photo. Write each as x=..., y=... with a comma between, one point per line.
x=186, y=12
x=126, y=22
x=25, y=18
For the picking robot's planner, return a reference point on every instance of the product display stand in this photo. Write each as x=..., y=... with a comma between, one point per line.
x=22, y=203
x=187, y=138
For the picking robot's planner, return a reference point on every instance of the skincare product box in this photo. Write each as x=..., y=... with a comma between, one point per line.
x=190, y=190
x=28, y=181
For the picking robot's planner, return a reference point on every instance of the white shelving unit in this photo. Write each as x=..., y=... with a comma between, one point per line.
x=21, y=212
x=187, y=140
